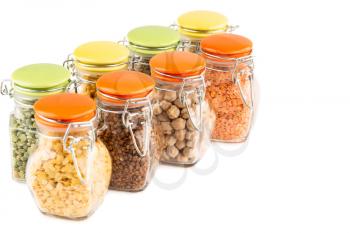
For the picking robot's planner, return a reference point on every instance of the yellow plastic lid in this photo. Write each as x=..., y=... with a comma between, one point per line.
x=202, y=23
x=101, y=56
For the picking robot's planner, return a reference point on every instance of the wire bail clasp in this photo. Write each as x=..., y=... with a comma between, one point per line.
x=70, y=141
x=200, y=92
x=247, y=71
x=6, y=87
x=127, y=118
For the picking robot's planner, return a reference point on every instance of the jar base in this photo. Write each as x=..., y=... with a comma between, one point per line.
x=238, y=140
x=128, y=190
x=176, y=163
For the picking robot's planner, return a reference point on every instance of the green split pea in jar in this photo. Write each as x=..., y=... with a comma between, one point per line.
x=27, y=85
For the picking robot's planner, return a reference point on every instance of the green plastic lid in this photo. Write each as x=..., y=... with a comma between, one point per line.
x=153, y=39
x=40, y=77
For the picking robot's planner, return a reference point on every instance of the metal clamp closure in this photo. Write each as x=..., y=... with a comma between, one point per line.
x=6, y=87
x=70, y=141
x=127, y=120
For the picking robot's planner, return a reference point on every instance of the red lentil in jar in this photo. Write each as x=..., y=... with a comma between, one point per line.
x=229, y=85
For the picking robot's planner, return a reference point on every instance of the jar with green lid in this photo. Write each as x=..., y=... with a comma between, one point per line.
x=26, y=86
x=91, y=60
x=195, y=25
x=147, y=41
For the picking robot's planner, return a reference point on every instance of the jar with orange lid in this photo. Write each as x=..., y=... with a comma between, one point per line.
x=146, y=41
x=229, y=79
x=69, y=172
x=27, y=85
x=180, y=107
x=91, y=60
x=124, y=100
x=196, y=25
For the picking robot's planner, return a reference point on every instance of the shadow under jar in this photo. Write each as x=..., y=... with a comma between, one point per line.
x=69, y=172
x=196, y=25
x=179, y=106
x=27, y=85
x=127, y=129
x=91, y=60
x=229, y=80
x=147, y=41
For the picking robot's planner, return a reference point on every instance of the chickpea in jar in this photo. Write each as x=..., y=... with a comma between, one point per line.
x=69, y=172
x=180, y=107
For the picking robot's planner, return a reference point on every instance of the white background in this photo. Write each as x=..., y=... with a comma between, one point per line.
x=294, y=174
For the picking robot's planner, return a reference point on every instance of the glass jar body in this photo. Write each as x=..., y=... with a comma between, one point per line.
x=69, y=178
x=185, y=121
x=23, y=135
x=133, y=142
x=86, y=81
x=190, y=44
x=230, y=95
x=140, y=62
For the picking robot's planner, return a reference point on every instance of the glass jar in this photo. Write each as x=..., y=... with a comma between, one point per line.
x=229, y=79
x=196, y=25
x=126, y=128
x=91, y=60
x=180, y=108
x=69, y=172
x=147, y=41
x=27, y=85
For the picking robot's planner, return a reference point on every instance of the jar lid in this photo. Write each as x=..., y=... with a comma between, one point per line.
x=201, y=23
x=101, y=53
x=40, y=79
x=227, y=45
x=153, y=39
x=174, y=66
x=124, y=85
x=62, y=109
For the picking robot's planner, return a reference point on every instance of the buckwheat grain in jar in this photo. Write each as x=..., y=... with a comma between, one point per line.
x=180, y=107
x=229, y=79
x=69, y=172
x=196, y=25
x=27, y=85
x=147, y=41
x=127, y=129
x=91, y=60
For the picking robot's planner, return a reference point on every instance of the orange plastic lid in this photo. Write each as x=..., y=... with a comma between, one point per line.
x=64, y=108
x=124, y=85
x=227, y=45
x=176, y=64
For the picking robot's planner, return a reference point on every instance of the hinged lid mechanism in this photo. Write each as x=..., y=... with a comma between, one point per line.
x=101, y=56
x=123, y=85
x=40, y=79
x=226, y=45
x=65, y=108
x=153, y=39
x=175, y=66
x=202, y=23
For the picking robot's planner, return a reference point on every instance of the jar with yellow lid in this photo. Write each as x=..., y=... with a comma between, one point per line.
x=27, y=85
x=91, y=60
x=69, y=172
x=195, y=25
x=146, y=41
